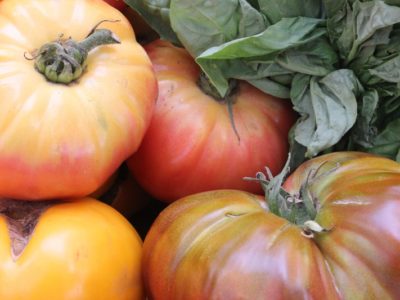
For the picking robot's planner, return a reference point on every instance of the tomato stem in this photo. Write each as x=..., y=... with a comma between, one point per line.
x=297, y=209
x=64, y=60
x=209, y=89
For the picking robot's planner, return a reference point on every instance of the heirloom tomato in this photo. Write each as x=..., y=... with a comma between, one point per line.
x=194, y=144
x=69, y=114
x=123, y=193
x=76, y=250
x=227, y=244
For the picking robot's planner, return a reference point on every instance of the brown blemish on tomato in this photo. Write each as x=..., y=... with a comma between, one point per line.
x=22, y=218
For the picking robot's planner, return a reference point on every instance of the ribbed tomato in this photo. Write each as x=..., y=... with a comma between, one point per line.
x=77, y=250
x=226, y=244
x=62, y=139
x=193, y=145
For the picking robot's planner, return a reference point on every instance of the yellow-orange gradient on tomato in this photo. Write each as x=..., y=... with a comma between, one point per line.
x=64, y=140
x=191, y=144
x=78, y=250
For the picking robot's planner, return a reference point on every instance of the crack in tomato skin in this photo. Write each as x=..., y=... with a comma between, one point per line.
x=22, y=218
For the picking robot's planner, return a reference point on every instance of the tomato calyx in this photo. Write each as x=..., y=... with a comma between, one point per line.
x=64, y=60
x=22, y=218
x=300, y=209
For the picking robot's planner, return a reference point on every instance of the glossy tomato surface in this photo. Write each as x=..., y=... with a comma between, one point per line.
x=191, y=145
x=226, y=245
x=80, y=250
x=60, y=140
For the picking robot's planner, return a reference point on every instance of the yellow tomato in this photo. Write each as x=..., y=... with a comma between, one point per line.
x=78, y=250
x=64, y=140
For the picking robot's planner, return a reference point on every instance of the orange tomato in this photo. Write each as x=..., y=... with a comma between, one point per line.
x=78, y=250
x=65, y=140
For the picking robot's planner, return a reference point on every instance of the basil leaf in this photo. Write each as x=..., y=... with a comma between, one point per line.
x=262, y=47
x=314, y=58
x=156, y=14
x=286, y=33
x=387, y=143
x=275, y=10
x=388, y=71
x=327, y=106
x=271, y=87
x=365, y=128
x=201, y=24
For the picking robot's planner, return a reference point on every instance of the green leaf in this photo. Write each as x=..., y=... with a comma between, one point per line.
x=387, y=143
x=352, y=23
x=328, y=108
x=283, y=35
x=275, y=10
x=372, y=16
x=333, y=7
x=365, y=129
x=156, y=14
x=259, y=48
x=314, y=58
x=388, y=71
x=271, y=87
x=201, y=24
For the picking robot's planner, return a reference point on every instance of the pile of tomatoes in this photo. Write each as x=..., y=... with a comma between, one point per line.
x=127, y=181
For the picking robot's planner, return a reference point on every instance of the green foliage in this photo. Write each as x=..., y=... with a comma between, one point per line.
x=337, y=60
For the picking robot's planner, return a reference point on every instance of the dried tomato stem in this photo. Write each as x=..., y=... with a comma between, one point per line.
x=208, y=88
x=63, y=60
x=22, y=218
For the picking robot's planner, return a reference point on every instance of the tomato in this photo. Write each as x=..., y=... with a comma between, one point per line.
x=77, y=250
x=123, y=193
x=118, y=4
x=191, y=144
x=64, y=140
x=225, y=244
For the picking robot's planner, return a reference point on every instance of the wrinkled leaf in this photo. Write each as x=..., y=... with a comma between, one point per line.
x=201, y=24
x=365, y=128
x=387, y=143
x=275, y=10
x=328, y=108
x=314, y=58
x=388, y=71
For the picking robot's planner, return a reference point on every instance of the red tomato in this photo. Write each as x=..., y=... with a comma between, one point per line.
x=118, y=4
x=64, y=140
x=226, y=245
x=191, y=145
x=78, y=250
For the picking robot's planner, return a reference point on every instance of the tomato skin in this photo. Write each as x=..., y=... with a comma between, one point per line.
x=123, y=193
x=225, y=245
x=79, y=250
x=191, y=146
x=76, y=134
x=118, y=4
